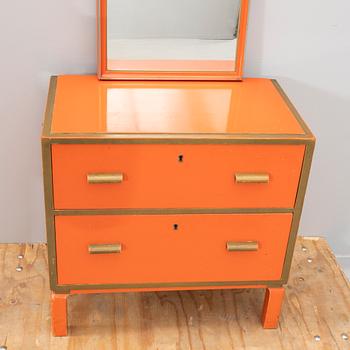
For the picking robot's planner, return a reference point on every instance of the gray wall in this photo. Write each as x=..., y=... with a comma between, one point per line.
x=214, y=19
x=304, y=44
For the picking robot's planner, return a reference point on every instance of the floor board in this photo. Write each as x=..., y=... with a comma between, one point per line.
x=317, y=304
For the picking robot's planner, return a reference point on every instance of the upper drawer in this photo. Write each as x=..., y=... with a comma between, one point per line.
x=175, y=176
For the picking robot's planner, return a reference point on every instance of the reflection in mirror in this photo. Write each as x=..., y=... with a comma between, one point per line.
x=172, y=35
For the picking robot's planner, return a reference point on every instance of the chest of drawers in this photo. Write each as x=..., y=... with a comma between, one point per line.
x=171, y=186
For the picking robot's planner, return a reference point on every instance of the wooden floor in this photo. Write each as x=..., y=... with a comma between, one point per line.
x=317, y=304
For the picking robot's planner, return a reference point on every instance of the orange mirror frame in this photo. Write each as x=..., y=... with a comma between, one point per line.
x=105, y=74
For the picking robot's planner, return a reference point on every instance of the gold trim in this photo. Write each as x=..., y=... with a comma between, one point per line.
x=104, y=178
x=66, y=288
x=292, y=108
x=165, y=137
x=113, y=248
x=242, y=246
x=170, y=211
x=49, y=214
x=250, y=178
x=305, y=173
x=46, y=132
x=183, y=141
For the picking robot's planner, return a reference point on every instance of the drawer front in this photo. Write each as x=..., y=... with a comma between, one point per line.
x=143, y=249
x=175, y=176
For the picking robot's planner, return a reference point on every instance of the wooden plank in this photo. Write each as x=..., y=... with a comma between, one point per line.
x=317, y=303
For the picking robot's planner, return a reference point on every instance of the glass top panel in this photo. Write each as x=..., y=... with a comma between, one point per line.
x=83, y=104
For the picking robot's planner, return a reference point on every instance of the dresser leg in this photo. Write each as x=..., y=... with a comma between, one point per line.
x=272, y=307
x=59, y=314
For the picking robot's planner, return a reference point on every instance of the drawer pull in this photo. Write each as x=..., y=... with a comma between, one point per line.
x=105, y=248
x=242, y=246
x=103, y=178
x=250, y=178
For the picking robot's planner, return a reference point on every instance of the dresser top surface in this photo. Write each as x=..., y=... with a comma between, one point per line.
x=81, y=105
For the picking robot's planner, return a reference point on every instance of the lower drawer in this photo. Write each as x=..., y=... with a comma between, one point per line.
x=171, y=248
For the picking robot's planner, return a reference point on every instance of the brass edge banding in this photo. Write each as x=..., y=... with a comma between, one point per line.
x=179, y=136
x=46, y=132
x=179, y=141
x=63, y=289
x=170, y=211
x=49, y=214
x=292, y=108
x=298, y=210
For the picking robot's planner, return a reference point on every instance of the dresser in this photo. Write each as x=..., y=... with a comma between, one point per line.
x=154, y=186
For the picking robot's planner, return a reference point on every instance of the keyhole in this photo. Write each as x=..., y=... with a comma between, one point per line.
x=176, y=226
x=181, y=158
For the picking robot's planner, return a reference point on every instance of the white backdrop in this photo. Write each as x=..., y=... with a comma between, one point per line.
x=304, y=44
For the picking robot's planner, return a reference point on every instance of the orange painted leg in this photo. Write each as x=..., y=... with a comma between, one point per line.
x=272, y=307
x=59, y=314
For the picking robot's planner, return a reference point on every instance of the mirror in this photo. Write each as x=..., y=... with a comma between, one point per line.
x=171, y=39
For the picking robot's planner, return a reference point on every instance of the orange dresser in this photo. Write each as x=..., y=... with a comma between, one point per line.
x=171, y=185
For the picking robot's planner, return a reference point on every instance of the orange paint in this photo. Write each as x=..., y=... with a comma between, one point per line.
x=171, y=74
x=154, y=252
x=272, y=307
x=59, y=314
x=83, y=104
x=155, y=178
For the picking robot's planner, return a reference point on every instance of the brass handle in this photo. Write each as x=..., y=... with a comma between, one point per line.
x=105, y=248
x=242, y=246
x=251, y=178
x=105, y=178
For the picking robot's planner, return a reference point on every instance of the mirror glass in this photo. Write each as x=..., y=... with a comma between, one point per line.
x=172, y=35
